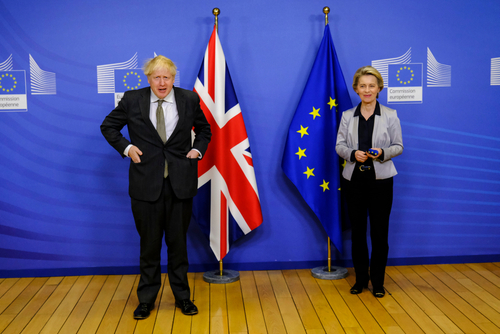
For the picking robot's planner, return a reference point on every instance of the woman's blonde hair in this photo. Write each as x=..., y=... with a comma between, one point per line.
x=367, y=70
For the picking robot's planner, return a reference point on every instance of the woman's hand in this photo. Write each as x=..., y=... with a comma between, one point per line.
x=379, y=150
x=360, y=156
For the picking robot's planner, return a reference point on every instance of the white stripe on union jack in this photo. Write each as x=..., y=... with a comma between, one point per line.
x=227, y=205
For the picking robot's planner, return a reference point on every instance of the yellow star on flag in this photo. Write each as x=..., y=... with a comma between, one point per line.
x=325, y=185
x=301, y=153
x=333, y=103
x=303, y=131
x=315, y=113
x=309, y=172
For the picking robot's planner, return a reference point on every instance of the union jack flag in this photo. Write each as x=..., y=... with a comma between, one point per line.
x=227, y=205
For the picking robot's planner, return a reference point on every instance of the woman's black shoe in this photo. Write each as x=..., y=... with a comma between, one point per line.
x=358, y=288
x=378, y=292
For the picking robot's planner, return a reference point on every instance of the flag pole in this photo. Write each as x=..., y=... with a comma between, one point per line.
x=329, y=255
x=216, y=12
x=329, y=272
x=220, y=276
x=326, y=10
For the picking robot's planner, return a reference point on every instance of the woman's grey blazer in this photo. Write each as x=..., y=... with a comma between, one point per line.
x=386, y=135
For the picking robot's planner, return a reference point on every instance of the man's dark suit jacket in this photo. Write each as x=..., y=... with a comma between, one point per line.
x=146, y=177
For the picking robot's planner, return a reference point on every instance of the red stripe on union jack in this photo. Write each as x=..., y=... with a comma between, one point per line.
x=227, y=205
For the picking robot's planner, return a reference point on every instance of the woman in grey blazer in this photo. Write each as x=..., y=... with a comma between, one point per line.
x=369, y=136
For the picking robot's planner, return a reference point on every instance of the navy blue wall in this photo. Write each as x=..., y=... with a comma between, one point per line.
x=64, y=206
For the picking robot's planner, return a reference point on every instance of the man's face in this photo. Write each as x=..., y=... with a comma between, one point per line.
x=161, y=82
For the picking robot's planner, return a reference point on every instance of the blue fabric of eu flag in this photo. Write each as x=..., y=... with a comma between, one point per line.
x=130, y=79
x=12, y=82
x=405, y=75
x=309, y=158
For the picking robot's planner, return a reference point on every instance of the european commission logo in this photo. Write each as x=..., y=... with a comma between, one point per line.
x=8, y=82
x=405, y=79
x=13, y=90
x=129, y=80
x=405, y=83
x=405, y=76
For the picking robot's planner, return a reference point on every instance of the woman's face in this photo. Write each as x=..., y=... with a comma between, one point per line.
x=367, y=88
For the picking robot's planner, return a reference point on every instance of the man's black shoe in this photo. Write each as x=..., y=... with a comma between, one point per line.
x=187, y=307
x=143, y=310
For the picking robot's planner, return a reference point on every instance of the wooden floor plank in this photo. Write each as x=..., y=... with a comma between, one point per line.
x=288, y=311
x=362, y=314
x=454, y=314
x=127, y=323
x=482, y=269
x=116, y=306
x=323, y=310
x=455, y=299
x=31, y=308
x=458, y=298
x=5, y=286
x=304, y=306
x=236, y=317
x=490, y=267
x=465, y=293
x=201, y=322
x=165, y=309
x=270, y=308
x=13, y=292
x=27, y=294
x=182, y=323
x=62, y=287
x=81, y=309
x=66, y=306
x=100, y=305
x=253, y=308
x=491, y=287
x=472, y=286
x=218, y=309
x=403, y=319
x=425, y=304
x=411, y=307
x=146, y=326
x=339, y=307
x=375, y=307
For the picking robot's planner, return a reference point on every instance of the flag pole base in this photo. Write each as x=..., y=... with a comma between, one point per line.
x=334, y=273
x=228, y=276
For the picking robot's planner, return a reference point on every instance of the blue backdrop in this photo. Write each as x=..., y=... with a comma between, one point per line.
x=64, y=206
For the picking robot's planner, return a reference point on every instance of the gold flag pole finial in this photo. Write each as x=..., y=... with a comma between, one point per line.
x=216, y=12
x=326, y=10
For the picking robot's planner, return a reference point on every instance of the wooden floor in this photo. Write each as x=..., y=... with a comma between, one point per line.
x=458, y=298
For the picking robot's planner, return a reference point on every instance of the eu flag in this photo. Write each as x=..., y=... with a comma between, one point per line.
x=309, y=159
x=129, y=79
x=405, y=75
x=12, y=82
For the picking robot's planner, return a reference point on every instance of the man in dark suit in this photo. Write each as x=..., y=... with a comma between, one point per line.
x=163, y=174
